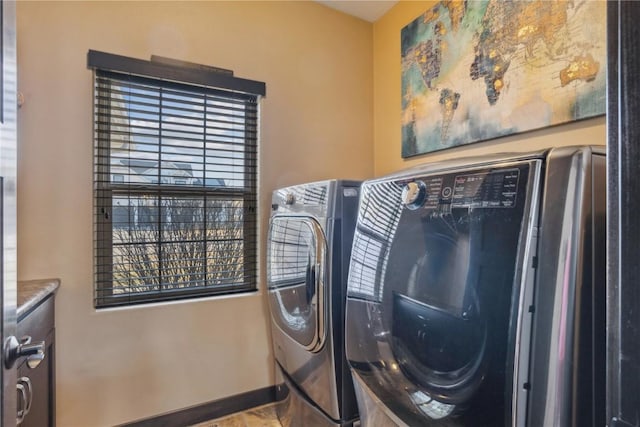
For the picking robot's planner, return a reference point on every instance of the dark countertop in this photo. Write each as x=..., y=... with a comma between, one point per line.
x=32, y=292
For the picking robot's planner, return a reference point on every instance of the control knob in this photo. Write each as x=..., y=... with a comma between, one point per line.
x=414, y=194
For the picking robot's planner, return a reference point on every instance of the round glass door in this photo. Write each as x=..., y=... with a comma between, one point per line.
x=436, y=311
x=295, y=275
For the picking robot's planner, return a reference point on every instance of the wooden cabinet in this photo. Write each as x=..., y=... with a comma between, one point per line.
x=38, y=323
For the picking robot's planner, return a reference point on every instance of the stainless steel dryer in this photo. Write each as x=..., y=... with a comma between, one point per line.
x=476, y=293
x=309, y=245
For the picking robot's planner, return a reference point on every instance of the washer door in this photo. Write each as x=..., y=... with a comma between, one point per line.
x=443, y=353
x=295, y=274
x=437, y=313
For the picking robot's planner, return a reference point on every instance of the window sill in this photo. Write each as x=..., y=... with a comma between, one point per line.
x=192, y=300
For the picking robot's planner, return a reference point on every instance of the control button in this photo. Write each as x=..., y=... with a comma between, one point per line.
x=350, y=192
x=414, y=194
x=446, y=192
x=290, y=199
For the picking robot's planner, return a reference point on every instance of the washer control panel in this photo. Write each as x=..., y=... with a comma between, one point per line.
x=487, y=188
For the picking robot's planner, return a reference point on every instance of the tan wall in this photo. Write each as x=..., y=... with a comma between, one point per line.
x=121, y=365
x=387, y=105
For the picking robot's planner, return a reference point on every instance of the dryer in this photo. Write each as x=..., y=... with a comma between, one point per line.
x=476, y=292
x=309, y=246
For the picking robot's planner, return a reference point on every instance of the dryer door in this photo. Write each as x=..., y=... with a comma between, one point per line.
x=295, y=273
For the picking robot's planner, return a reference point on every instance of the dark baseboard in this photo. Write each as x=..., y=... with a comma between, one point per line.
x=210, y=410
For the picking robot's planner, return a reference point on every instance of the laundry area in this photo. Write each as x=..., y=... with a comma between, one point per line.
x=320, y=213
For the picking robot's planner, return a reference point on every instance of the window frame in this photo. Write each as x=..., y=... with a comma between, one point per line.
x=105, y=190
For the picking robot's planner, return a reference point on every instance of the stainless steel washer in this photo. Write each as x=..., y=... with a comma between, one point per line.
x=476, y=292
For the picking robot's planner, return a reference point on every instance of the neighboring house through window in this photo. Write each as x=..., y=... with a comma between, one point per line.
x=175, y=180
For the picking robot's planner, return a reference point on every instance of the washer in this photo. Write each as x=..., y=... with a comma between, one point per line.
x=476, y=292
x=309, y=246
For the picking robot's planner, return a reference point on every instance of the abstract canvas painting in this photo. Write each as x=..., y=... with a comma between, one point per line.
x=477, y=70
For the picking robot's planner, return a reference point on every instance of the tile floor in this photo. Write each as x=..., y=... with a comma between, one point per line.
x=262, y=416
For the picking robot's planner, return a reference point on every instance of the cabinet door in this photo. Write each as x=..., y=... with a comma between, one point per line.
x=42, y=381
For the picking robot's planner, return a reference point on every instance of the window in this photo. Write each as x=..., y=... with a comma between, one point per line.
x=175, y=171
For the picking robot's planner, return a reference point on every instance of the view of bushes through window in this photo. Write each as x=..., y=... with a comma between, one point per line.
x=172, y=242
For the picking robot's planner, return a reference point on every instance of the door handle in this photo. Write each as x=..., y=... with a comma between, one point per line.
x=14, y=349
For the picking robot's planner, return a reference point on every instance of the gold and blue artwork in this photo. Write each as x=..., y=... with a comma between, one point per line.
x=478, y=70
